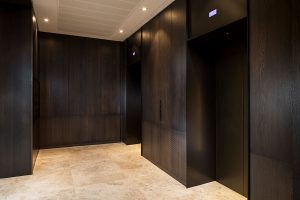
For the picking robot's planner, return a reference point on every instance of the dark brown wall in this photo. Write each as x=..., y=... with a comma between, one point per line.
x=163, y=88
x=15, y=91
x=296, y=98
x=275, y=99
x=36, y=94
x=123, y=63
x=80, y=91
x=151, y=91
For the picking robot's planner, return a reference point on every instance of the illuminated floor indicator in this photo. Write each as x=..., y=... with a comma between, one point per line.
x=213, y=13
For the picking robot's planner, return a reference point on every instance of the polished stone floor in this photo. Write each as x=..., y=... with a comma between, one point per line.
x=106, y=172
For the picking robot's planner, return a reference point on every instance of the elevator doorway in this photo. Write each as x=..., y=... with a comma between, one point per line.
x=218, y=105
x=133, y=104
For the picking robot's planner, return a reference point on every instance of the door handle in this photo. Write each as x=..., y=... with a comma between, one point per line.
x=160, y=110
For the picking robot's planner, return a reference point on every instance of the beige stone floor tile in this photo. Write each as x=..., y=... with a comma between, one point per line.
x=103, y=172
x=43, y=167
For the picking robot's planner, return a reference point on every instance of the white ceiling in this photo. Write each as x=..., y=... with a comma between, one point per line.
x=101, y=19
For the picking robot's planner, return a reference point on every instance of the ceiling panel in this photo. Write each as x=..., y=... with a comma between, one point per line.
x=101, y=19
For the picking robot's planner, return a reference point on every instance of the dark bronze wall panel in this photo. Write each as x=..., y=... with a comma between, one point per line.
x=123, y=63
x=36, y=94
x=16, y=89
x=265, y=171
x=54, y=79
x=173, y=40
x=179, y=158
x=151, y=72
x=274, y=99
x=151, y=141
x=146, y=139
x=172, y=153
x=150, y=91
x=296, y=97
x=163, y=90
x=80, y=91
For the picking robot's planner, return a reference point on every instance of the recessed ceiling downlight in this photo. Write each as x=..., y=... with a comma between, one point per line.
x=144, y=9
x=46, y=20
x=121, y=31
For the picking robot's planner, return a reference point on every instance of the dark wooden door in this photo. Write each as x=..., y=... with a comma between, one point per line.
x=165, y=48
x=163, y=64
x=173, y=90
x=151, y=84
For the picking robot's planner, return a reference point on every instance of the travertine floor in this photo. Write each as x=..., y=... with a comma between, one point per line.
x=112, y=171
